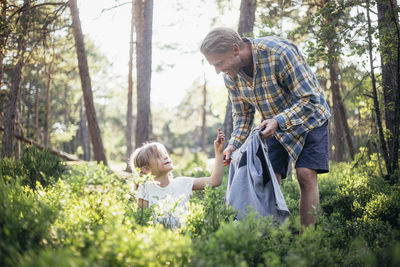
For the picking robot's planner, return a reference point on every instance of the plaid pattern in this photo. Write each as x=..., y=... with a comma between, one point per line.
x=283, y=87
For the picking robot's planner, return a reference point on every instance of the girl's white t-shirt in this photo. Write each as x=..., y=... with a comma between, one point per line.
x=171, y=201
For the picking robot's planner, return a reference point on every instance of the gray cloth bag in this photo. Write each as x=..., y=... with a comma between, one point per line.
x=252, y=183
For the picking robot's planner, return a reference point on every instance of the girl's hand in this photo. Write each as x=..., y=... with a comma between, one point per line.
x=219, y=142
x=218, y=171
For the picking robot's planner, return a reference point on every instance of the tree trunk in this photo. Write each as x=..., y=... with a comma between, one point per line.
x=94, y=130
x=375, y=98
x=144, y=30
x=37, y=129
x=84, y=133
x=245, y=28
x=9, y=119
x=129, y=112
x=19, y=128
x=47, y=112
x=29, y=111
x=347, y=132
x=339, y=131
x=203, y=118
x=247, y=17
x=388, y=22
x=339, y=115
x=3, y=38
x=66, y=145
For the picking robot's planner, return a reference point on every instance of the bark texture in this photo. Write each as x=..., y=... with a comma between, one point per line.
x=129, y=112
x=388, y=23
x=7, y=147
x=375, y=97
x=94, y=130
x=47, y=124
x=346, y=128
x=341, y=130
x=144, y=33
x=337, y=118
x=3, y=37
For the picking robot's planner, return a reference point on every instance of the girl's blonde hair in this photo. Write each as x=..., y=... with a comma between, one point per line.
x=141, y=156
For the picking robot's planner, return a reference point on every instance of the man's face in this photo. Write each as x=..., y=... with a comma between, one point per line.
x=227, y=62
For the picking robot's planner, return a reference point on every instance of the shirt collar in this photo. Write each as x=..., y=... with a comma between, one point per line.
x=253, y=53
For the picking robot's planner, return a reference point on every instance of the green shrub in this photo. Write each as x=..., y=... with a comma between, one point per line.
x=49, y=257
x=384, y=206
x=85, y=203
x=34, y=166
x=91, y=173
x=236, y=243
x=12, y=169
x=90, y=217
x=41, y=166
x=146, y=246
x=24, y=222
x=98, y=224
x=214, y=211
x=359, y=254
x=291, y=192
x=312, y=248
x=362, y=206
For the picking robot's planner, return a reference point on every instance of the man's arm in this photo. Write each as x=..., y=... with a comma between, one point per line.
x=242, y=113
x=309, y=103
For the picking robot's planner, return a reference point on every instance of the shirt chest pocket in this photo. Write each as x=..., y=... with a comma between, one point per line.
x=246, y=91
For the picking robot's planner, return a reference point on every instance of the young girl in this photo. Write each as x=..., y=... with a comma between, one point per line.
x=171, y=194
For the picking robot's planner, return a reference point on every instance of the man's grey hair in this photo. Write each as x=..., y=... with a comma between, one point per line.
x=220, y=40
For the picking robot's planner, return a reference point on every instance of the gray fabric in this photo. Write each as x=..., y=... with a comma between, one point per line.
x=250, y=187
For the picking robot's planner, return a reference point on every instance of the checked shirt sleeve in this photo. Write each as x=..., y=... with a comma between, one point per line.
x=242, y=113
x=307, y=99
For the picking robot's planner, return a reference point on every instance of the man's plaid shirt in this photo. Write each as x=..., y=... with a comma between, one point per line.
x=284, y=88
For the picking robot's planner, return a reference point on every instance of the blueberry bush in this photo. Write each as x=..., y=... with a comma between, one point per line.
x=86, y=215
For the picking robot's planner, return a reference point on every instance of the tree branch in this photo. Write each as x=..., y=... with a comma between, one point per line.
x=60, y=154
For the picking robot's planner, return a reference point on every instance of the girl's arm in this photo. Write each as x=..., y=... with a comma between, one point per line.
x=216, y=176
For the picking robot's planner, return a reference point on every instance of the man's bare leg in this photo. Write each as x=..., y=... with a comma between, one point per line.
x=309, y=195
x=278, y=177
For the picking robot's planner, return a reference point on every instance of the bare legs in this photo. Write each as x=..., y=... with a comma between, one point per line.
x=278, y=177
x=309, y=194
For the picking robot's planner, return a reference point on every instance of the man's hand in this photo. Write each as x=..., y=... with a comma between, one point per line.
x=227, y=154
x=219, y=142
x=269, y=127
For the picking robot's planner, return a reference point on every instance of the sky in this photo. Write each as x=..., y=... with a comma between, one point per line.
x=182, y=24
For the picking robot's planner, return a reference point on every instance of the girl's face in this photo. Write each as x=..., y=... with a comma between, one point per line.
x=161, y=164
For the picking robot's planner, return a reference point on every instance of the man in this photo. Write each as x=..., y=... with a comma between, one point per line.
x=270, y=75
